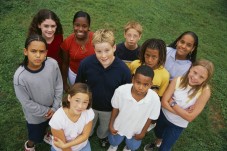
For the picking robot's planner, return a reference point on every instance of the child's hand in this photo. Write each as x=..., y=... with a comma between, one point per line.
x=59, y=143
x=49, y=114
x=139, y=136
x=113, y=131
x=190, y=109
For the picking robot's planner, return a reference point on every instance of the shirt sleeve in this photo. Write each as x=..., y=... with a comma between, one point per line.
x=164, y=83
x=81, y=74
x=57, y=120
x=128, y=76
x=90, y=115
x=156, y=108
x=65, y=45
x=27, y=103
x=115, y=99
x=58, y=90
x=133, y=66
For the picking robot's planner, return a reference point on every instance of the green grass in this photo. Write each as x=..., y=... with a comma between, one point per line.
x=160, y=19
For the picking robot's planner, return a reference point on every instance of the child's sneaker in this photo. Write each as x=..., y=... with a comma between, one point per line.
x=151, y=127
x=104, y=142
x=151, y=147
x=112, y=148
x=28, y=149
x=48, y=138
x=126, y=149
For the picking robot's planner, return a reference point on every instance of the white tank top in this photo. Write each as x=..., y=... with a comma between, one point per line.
x=180, y=95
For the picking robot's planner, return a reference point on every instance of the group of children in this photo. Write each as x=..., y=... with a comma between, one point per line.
x=124, y=89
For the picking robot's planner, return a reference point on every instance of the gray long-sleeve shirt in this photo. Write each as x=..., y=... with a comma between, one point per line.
x=38, y=91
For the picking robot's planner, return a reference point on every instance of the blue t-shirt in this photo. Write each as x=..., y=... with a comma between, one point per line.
x=125, y=54
x=103, y=81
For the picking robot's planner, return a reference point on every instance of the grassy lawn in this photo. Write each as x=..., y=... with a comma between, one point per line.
x=160, y=19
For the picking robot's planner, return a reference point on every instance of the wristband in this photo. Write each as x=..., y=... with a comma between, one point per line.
x=173, y=103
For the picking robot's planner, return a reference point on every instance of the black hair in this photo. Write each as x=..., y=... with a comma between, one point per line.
x=82, y=14
x=190, y=56
x=156, y=44
x=31, y=38
x=145, y=70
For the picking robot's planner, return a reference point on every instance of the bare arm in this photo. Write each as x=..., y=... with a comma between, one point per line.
x=114, y=114
x=59, y=135
x=198, y=106
x=78, y=140
x=167, y=96
x=65, y=68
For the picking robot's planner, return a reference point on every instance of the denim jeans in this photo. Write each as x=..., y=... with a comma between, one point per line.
x=167, y=131
x=132, y=143
x=86, y=148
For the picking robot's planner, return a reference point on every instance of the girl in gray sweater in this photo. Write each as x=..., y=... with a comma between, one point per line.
x=38, y=87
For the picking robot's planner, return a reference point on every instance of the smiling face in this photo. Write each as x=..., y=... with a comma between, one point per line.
x=197, y=75
x=78, y=103
x=151, y=57
x=48, y=28
x=105, y=53
x=141, y=84
x=36, y=53
x=81, y=28
x=184, y=46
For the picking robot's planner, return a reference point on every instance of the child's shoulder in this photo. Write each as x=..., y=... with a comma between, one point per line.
x=121, y=44
x=52, y=61
x=152, y=96
x=125, y=86
x=18, y=74
x=136, y=62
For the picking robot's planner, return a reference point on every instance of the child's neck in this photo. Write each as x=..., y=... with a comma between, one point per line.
x=178, y=57
x=131, y=47
x=136, y=96
x=73, y=117
x=49, y=39
x=34, y=68
x=81, y=42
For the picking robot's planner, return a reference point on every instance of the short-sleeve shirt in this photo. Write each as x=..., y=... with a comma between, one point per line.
x=60, y=121
x=125, y=54
x=175, y=67
x=76, y=52
x=133, y=115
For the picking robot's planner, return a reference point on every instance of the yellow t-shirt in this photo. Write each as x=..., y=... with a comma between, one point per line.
x=160, y=80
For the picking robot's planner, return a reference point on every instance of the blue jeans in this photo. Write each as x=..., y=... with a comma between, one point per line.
x=86, y=148
x=132, y=143
x=167, y=131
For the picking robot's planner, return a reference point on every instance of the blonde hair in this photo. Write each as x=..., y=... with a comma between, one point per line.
x=133, y=25
x=103, y=35
x=210, y=70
